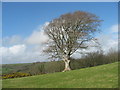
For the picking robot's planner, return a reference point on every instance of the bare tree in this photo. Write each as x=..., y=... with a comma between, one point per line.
x=69, y=33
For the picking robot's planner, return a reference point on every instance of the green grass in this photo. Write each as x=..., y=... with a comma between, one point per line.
x=103, y=76
x=10, y=68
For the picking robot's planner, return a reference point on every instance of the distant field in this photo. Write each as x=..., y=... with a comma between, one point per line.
x=34, y=68
x=103, y=76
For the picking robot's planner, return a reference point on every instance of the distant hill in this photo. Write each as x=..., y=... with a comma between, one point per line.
x=103, y=76
x=90, y=60
x=34, y=68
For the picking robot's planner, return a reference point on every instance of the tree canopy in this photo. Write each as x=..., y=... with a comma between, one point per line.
x=71, y=32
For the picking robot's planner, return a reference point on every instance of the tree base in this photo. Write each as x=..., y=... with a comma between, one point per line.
x=66, y=70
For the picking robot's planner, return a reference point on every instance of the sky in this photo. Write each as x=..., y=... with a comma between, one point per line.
x=23, y=22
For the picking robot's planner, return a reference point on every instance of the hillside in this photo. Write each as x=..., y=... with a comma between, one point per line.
x=91, y=60
x=103, y=76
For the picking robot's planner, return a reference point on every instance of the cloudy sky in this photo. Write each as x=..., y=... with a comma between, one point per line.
x=23, y=36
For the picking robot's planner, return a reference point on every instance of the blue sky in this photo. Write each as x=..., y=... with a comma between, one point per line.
x=22, y=24
x=22, y=18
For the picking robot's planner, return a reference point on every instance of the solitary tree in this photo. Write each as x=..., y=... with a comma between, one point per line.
x=69, y=33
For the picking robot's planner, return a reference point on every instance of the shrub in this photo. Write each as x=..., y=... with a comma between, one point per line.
x=15, y=75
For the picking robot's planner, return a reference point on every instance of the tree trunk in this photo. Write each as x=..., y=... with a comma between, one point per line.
x=67, y=64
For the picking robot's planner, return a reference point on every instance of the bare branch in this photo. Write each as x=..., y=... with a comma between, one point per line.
x=71, y=31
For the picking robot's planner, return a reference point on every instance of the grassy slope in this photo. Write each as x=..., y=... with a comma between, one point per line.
x=104, y=76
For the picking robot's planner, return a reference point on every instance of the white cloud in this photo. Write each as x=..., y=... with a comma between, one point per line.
x=22, y=54
x=17, y=49
x=3, y=50
x=107, y=42
x=13, y=40
x=114, y=28
x=38, y=36
x=13, y=50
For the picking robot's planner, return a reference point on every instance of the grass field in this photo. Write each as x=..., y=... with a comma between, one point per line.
x=103, y=76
